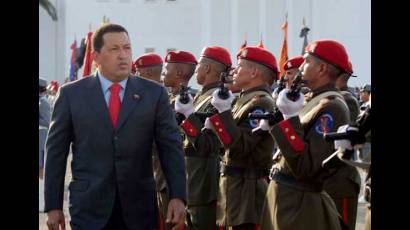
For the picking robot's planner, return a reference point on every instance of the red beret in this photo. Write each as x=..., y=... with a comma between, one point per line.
x=330, y=51
x=54, y=86
x=147, y=60
x=181, y=56
x=259, y=55
x=217, y=53
x=293, y=62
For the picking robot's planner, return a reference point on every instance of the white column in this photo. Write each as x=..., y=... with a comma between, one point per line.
x=60, y=48
x=205, y=22
x=234, y=29
x=262, y=21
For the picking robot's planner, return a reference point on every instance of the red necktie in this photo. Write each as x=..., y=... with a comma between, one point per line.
x=114, y=103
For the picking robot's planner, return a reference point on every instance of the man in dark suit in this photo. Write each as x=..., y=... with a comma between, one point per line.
x=110, y=119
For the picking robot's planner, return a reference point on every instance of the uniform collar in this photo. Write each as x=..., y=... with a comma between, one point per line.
x=210, y=86
x=263, y=87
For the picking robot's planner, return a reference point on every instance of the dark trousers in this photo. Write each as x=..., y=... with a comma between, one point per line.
x=116, y=221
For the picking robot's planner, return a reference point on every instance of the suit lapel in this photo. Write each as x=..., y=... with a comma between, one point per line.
x=132, y=97
x=95, y=99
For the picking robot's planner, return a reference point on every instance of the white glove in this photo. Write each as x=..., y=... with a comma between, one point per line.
x=344, y=144
x=186, y=109
x=220, y=104
x=208, y=124
x=288, y=107
x=263, y=125
x=275, y=93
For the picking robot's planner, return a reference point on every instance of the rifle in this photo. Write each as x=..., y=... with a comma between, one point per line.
x=223, y=91
x=276, y=116
x=183, y=94
x=223, y=94
x=357, y=136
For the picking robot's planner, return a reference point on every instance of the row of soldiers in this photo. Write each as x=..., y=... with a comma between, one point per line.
x=234, y=181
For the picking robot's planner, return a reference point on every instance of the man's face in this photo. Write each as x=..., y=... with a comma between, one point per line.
x=242, y=74
x=364, y=96
x=170, y=75
x=200, y=72
x=290, y=74
x=114, y=59
x=310, y=71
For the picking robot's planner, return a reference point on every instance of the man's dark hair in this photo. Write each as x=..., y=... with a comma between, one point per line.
x=97, y=39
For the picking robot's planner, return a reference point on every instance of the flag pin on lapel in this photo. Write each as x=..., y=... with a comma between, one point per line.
x=136, y=96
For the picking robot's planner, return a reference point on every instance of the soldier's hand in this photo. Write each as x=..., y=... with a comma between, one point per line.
x=264, y=125
x=55, y=220
x=288, y=107
x=275, y=93
x=176, y=214
x=345, y=143
x=186, y=109
x=208, y=124
x=220, y=104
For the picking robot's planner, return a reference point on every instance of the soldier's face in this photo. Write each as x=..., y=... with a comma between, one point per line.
x=310, y=70
x=290, y=74
x=242, y=74
x=170, y=74
x=114, y=60
x=200, y=72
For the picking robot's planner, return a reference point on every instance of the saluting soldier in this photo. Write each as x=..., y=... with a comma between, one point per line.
x=179, y=68
x=295, y=198
x=247, y=157
x=202, y=146
x=149, y=66
x=344, y=185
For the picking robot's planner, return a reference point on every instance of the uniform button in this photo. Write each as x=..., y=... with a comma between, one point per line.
x=115, y=138
x=216, y=123
x=292, y=137
x=286, y=130
x=191, y=130
x=220, y=130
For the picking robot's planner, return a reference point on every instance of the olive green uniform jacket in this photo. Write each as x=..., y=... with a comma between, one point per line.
x=240, y=198
x=288, y=204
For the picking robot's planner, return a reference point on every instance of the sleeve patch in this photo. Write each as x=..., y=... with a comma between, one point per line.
x=253, y=123
x=324, y=124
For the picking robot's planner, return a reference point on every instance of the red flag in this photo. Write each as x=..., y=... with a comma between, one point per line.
x=87, y=57
x=284, y=49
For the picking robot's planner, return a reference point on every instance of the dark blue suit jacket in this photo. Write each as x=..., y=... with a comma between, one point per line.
x=105, y=158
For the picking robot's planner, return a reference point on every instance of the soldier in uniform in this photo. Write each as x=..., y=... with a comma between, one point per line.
x=295, y=198
x=179, y=68
x=291, y=67
x=43, y=124
x=364, y=96
x=344, y=185
x=149, y=66
x=247, y=157
x=202, y=147
x=350, y=99
x=346, y=144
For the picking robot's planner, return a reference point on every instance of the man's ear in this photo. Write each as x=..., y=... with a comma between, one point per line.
x=95, y=56
x=207, y=68
x=254, y=71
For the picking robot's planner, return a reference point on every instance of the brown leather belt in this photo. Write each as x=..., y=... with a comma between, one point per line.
x=291, y=181
x=247, y=173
